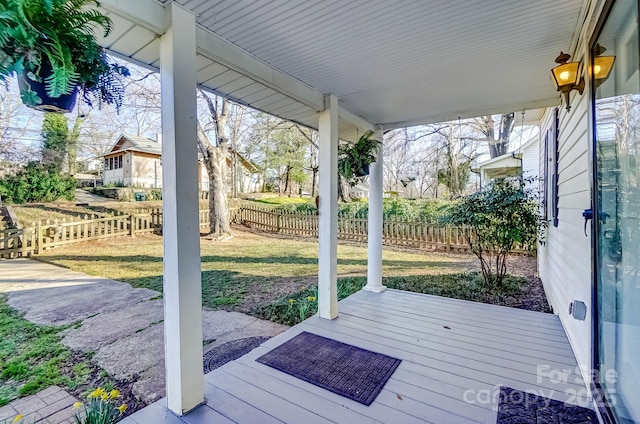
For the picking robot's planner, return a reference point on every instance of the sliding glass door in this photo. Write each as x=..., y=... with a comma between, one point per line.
x=617, y=214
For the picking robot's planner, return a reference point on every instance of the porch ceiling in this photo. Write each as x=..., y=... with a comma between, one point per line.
x=391, y=62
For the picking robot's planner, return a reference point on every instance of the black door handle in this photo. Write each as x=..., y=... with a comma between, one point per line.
x=587, y=214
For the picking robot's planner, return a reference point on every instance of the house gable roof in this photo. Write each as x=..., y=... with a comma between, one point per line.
x=134, y=143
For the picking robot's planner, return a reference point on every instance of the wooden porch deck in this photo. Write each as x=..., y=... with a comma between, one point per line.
x=455, y=355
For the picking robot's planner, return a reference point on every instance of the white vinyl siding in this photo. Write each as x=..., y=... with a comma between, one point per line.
x=530, y=165
x=530, y=161
x=565, y=259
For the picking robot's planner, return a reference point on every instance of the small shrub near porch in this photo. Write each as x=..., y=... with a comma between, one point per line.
x=499, y=217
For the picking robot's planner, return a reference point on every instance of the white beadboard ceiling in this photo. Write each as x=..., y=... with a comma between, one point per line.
x=391, y=62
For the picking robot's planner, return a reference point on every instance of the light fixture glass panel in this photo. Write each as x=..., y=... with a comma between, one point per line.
x=566, y=74
x=602, y=66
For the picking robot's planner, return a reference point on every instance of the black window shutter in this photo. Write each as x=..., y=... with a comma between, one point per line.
x=555, y=195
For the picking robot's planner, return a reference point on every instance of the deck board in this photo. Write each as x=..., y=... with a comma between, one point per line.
x=454, y=335
x=438, y=381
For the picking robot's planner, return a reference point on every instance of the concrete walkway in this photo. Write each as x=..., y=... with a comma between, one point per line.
x=83, y=196
x=120, y=324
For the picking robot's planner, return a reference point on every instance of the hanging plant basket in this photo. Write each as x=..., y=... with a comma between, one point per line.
x=354, y=159
x=52, y=49
x=363, y=171
x=39, y=99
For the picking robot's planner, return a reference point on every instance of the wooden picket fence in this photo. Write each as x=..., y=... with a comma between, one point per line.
x=49, y=234
x=46, y=235
x=416, y=234
x=14, y=243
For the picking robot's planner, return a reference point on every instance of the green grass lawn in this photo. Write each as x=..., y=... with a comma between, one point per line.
x=247, y=271
x=33, y=358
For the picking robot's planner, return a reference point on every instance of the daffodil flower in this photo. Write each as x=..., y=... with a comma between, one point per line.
x=77, y=405
x=96, y=393
x=114, y=394
x=122, y=408
x=18, y=418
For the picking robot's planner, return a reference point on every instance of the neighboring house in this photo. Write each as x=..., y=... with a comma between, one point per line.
x=524, y=161
x=249, y=177
x=136, y=161
x=359, y=191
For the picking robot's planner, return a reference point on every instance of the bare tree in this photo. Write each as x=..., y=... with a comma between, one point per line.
x=486, y=125
x=411, y=160
x=215, y=162
x=19, y=129
x=314, y=166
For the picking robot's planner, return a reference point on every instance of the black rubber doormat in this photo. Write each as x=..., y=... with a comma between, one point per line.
x=230, y=351
x=346, y=370
x=518, y=407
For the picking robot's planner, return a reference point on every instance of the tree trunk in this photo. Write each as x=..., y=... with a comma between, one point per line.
x=218, y=207
x=215, y=161
x=500, y=146
x=314, y=176
x=343, y=190
x=507, y=122
x=287, y=174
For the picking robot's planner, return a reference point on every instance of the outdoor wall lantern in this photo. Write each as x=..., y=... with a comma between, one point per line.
x=566, y=76
x=602, y=65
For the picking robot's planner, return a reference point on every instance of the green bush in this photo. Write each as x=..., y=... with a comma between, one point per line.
x=428, y=210
x=296, y=207
x=37, y=183
x=499, y=217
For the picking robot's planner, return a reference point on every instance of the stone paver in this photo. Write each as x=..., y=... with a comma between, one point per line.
x=7, y=413
x=121, y=325
x=52, y=405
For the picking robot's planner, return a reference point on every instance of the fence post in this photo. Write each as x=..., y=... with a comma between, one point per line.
x=132, y=226
x=448, y=236
x=38, y=245
x=278, y=223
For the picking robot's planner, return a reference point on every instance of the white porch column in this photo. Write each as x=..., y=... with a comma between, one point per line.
x=328, y=209
x=376, y=193
x=181, y=230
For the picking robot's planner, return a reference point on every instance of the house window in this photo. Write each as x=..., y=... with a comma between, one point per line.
x=119, y=161
x=106, y=164
x=111, y=163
